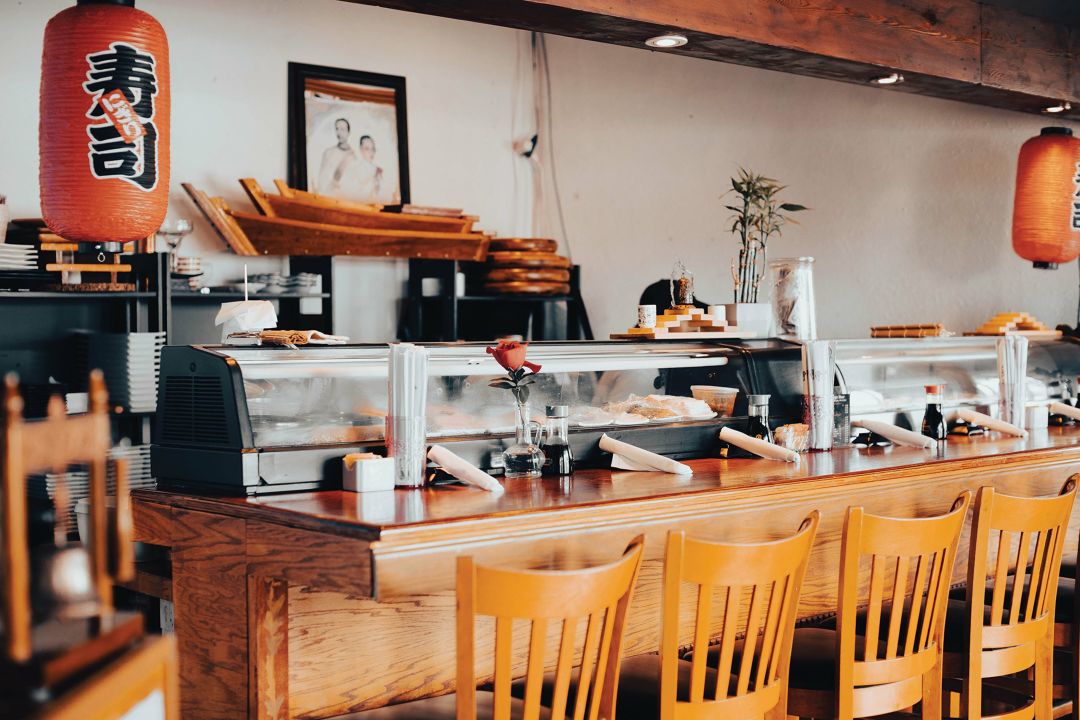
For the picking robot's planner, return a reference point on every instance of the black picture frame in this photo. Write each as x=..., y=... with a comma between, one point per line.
x=299, y=74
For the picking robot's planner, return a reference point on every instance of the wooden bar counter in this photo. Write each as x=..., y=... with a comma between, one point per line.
x=317, y=604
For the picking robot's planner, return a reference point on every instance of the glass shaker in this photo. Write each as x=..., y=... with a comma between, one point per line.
x=758, y=426
x=558, y=458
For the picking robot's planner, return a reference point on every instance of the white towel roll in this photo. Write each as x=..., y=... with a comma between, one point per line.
x=978, y=418
x=898, y=435
x=631, y=457
x=463, y=470
x=1059, y=408
x=762, y=448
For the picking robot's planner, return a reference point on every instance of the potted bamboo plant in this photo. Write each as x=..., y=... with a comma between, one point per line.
x=758, y=215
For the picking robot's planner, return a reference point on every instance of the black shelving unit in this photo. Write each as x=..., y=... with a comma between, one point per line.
x=447, y=317
x=36, y=333
x=192, y=314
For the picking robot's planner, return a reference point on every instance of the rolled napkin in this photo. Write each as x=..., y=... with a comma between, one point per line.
x=978, y=418
x=1069, y=411
x=630, y=457
x=898, y=435
x=463, y=470
x=762, y=448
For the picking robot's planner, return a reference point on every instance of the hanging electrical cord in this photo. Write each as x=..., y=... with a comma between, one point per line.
x=538, y=148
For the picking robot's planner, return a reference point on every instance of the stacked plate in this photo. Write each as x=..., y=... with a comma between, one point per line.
x=130, y=362
x=18, y=257
x=42, y=487
x=278, y=284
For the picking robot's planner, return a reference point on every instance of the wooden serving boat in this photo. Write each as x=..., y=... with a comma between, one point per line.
x=251, y=234
x=309, y=207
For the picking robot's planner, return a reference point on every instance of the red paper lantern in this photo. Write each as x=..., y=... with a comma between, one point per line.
x=1046, y=209
x=104, y=127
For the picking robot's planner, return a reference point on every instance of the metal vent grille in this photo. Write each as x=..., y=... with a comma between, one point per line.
x=194, y=411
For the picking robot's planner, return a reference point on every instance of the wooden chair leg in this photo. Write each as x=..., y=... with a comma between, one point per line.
x=1044, y=679
x=931, y=692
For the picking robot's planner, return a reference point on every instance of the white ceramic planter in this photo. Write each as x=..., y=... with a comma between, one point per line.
x=751, y=317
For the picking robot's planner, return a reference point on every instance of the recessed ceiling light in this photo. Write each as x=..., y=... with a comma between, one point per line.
x=890, y=79
x=667, y=41
x=1059, y=108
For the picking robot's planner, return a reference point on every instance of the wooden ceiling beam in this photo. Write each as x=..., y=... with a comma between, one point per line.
x=956, y=49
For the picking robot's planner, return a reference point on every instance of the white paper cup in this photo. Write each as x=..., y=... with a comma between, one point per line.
x=646, y=316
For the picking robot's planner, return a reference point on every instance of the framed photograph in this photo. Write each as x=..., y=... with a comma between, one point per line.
x=347, y=134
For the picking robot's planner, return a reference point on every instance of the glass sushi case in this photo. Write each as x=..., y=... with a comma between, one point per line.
x=248, y=420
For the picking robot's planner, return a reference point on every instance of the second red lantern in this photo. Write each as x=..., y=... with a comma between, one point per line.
x=1046, y=208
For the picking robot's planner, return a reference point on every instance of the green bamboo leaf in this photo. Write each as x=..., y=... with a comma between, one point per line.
x=793, y=207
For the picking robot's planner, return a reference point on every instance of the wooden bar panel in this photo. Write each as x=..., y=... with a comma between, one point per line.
x=210, y=596
x=303, y=557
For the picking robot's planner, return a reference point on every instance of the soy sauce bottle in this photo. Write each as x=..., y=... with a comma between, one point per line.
x=758, y=425
x=933, y=423
x=558, y=459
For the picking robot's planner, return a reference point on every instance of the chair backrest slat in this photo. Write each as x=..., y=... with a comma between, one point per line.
x=1001, y=577
x=910, y=565
x=727, y=641
x=892, y=644
x=702, y=620
x=763, y=580
x=873, y=610
x=555, y=601
x=917, y=604
x=753, y=622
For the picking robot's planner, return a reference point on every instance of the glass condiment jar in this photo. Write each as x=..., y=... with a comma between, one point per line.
x=682, y=285
x=758, y=425
x=558, y=458
x=933, y=424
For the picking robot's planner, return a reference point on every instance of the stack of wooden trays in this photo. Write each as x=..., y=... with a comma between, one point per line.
x=1015, y=323
x=684, y=322
x=526, y=266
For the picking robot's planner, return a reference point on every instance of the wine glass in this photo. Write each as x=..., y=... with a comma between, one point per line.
x=173, y=233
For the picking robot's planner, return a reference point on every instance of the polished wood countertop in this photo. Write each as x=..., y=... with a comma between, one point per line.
x=372, y=516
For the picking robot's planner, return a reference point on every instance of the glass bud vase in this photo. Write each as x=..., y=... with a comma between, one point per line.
x=524, y=458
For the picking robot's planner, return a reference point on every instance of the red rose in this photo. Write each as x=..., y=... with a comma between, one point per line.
x=511, y=355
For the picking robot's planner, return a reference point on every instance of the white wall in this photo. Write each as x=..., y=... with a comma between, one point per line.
x=911, y=196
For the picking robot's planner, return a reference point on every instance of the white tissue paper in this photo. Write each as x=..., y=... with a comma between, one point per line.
x=245, y=316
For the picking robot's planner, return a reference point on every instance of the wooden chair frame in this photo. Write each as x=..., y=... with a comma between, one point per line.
x=773, y=572
x=53, y=444
x=1018, y=634
x=888, y=676
x=599, y=594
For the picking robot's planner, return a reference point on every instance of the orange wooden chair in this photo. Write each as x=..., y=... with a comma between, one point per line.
x=557, y=600
x=1005, y=624
x=887, y=657
x=760, y=586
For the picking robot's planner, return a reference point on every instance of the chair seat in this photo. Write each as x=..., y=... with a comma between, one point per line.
x=639, y=687
x=443, y=707
x=1063, y=605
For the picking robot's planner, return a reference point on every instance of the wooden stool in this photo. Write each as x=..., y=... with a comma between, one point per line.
x=1004, y=627
x=887, y=658
x=560, y=600
x=760, y=585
